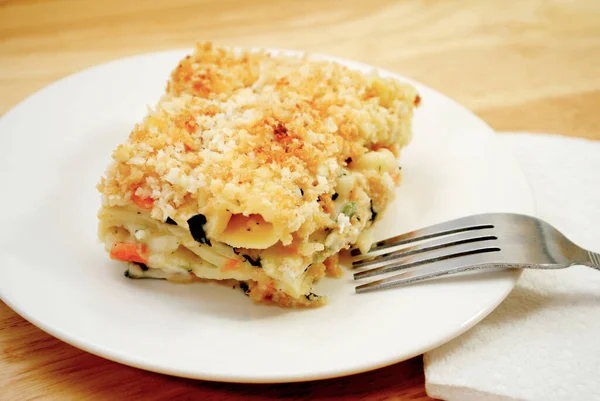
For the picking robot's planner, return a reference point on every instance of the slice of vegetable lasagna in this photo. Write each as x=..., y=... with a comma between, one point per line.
x=255, y=168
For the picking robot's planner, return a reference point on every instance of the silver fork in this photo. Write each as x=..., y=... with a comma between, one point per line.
x=484, y=241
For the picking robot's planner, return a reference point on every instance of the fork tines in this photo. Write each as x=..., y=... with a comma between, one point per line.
x=438, y=243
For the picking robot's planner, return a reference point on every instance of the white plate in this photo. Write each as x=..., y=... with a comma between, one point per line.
x=55, y=145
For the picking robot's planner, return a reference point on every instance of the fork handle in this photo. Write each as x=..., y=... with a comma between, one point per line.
x=594, y=260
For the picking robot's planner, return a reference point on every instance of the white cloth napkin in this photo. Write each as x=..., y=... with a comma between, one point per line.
x=543, y=342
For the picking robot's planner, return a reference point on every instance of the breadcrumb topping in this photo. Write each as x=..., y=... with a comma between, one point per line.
x=253, y=133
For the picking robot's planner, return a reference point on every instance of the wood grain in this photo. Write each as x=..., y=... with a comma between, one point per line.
x=520, y=65
x=34, y=364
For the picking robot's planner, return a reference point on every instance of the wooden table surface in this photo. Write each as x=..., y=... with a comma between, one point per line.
x=520, y=65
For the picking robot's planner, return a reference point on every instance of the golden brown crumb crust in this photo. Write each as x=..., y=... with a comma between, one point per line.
x=253, y=133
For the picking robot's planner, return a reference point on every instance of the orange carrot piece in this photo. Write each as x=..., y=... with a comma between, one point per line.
x=143, y=203
x=231, y=264
x=128, y=252
x=291, y=249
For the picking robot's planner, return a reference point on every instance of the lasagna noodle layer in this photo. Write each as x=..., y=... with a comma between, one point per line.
x=172, y=250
